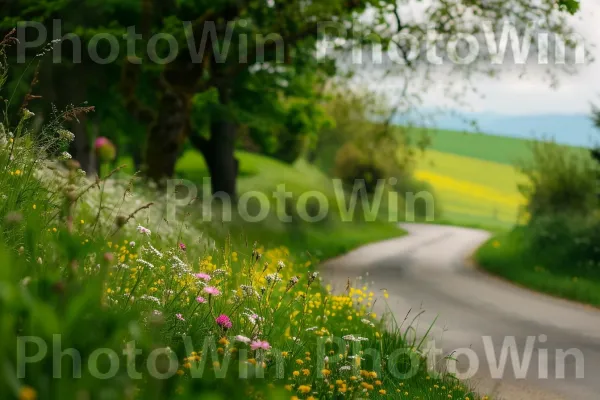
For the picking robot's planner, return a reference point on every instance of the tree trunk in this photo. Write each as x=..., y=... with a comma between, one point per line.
x=166, y=136
x=219, y=153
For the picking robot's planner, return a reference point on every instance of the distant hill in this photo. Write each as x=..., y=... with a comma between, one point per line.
x=569, y=129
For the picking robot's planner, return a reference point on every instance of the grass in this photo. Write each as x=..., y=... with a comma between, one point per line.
x=472, y=191
x=325, y=239
x=498, y=149
x=507, y=256
x=77, y=270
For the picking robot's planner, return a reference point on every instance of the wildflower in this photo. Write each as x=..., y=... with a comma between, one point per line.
x=105, y=150
x=280, y=265
x=143, y=231
x=203, y=276
x=132, y=244
x=180, y=317
x=27, y=114
x=304, y=389
x=273, y=278
x=242, y=339
x=223, y=321
x=66, y=135
x=27, y=393
x=200, y=299
x=258, y=344
x=292, y=282
x=248, y=291
x=211, y=290
x=64, y=156
x=151, y=298
x=182, y=246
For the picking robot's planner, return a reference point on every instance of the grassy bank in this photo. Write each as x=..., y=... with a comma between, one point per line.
x=93, y=264
x=508, y=255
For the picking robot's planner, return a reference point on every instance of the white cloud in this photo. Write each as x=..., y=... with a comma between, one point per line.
x=533, y=93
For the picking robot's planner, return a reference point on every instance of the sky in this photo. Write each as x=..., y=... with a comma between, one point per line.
x=533, y=94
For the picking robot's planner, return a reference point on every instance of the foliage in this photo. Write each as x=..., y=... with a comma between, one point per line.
x=545, y=265
x=560, y=180
x=272, y=92
x=353, y=164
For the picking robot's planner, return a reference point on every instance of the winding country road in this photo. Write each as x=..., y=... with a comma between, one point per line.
x=429, y=269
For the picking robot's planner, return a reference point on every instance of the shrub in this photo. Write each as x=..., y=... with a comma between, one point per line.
x=352, y=164
x=561, y=180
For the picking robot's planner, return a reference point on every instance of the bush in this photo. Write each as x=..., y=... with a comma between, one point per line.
x=561, y=180
x=352, y=164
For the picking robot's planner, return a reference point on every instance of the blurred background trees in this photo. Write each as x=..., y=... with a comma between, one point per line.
x=246, y=75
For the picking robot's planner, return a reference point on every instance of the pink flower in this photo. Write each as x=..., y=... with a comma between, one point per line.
x=211, y=290
x=101, y=141
x=223, y=321
x=259, y=344
x=203, y=276
x=200, y=299
x=182, y=246
x=180, y=317
x=143, y=231
x=105, y=149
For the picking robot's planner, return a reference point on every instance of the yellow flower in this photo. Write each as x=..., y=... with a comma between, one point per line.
x=34, y=206
x=304, y=389
x=326, y=372
x=296, y=373
x=27, y=393
x=288, y=388
x=82, y=222
x=299, y=362
x=382, y=391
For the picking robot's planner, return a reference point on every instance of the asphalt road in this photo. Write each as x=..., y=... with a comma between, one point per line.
x=430, y=270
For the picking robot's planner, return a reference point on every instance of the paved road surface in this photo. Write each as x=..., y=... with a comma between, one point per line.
x=429, y=270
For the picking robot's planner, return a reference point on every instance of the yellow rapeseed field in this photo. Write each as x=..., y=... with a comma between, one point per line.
x=473, y=191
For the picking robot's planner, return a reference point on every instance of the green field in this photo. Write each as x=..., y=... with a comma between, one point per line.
x=497, y=149
x=324, y=239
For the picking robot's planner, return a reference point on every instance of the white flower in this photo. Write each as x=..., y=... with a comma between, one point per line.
x=66, y=135
x=64, y=156
x=27, y=114
x=146, y=263
x=242, y=339
x=150, y=298
x=143, y=231
x=132, y=244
